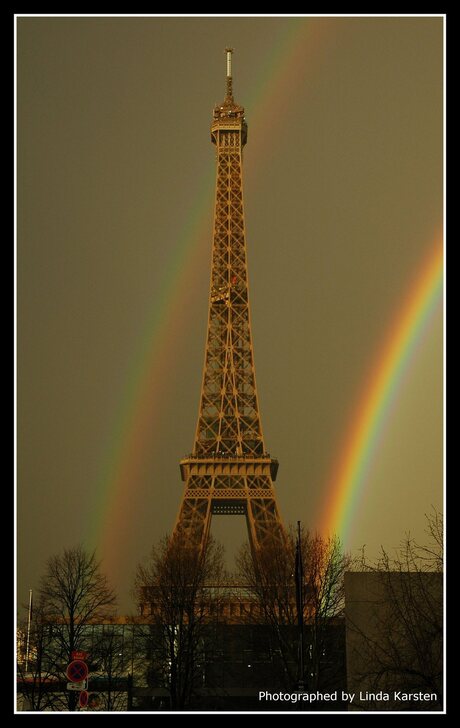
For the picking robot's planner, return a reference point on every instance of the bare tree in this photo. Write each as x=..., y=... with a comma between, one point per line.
x=73, y=594
x=270, y=576
x=324, y=602
x=179, y=586
x=36, y=675
x=395, y=623
x=113, y=660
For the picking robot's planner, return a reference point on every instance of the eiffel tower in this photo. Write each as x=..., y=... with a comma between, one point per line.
x=229, y=470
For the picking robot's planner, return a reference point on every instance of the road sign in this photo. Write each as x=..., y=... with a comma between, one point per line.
x=83, y=699
x=77, y=671
x=79, y=655
x=82, y=685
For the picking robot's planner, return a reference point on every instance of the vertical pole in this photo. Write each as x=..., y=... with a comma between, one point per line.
x=29, y=618
x=229, y=61
x=229, y=95
x=130, y=692
x=300, y=600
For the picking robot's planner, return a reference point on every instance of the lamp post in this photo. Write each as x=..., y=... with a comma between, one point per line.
x=29, y=618
x=300, y=603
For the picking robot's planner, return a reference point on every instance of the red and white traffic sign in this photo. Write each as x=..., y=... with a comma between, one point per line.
x=78, y=686
x=79, y=655
x=83, y=701
x=77, y=671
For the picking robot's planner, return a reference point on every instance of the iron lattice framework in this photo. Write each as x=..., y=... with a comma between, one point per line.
x=229, y=471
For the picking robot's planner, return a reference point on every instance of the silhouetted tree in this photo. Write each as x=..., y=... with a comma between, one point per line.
x=115, y=653
x=269, y=573
x=178, y=589
x=37, y=680
x=73, y=594
x=396, y=633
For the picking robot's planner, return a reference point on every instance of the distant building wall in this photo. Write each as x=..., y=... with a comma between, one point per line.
x=394, y=630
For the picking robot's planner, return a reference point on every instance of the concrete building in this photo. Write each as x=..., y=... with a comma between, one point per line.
x=394, y=640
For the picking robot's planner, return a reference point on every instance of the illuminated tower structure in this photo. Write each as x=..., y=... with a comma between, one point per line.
x=229, y=470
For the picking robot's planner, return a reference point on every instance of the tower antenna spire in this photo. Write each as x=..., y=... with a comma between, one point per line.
x=229, y=95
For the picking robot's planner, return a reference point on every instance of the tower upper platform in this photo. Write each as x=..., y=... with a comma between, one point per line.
x=229, y=115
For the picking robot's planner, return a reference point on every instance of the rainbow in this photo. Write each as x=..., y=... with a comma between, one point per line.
x=118, y=494
x=376, y=402
x=146, y=385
